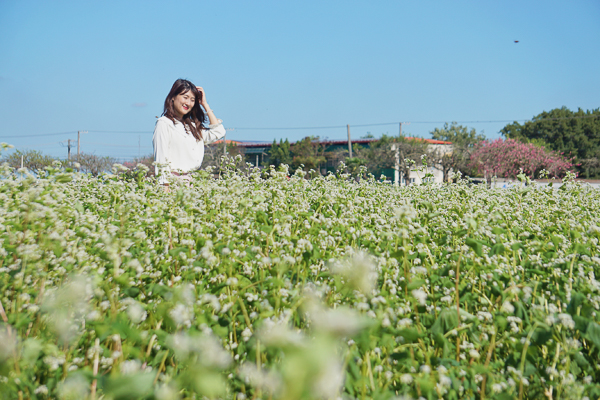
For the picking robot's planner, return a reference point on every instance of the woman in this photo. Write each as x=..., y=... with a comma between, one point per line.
x=180, y=134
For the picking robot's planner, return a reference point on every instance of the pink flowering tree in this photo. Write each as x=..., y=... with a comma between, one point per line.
x=506, y=158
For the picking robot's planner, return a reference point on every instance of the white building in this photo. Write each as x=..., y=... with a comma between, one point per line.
x=419, y=175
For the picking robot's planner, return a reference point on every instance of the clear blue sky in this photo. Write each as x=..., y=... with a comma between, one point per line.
x=108, y=66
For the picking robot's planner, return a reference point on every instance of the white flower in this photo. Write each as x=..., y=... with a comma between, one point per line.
x=130, y=367
x=167, y=392
x=136, y=313
x=341, y=322
x=420, y=295
x=507, y=308
x=43, y=389
x=445, y=381
x=8, y=344
x=246, y=334
x=279, y=334
x=269, y=382
x=404, y=323
x=359, y=271
x=567, y=321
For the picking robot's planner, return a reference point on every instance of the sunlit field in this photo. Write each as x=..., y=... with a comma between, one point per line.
x=265, y=284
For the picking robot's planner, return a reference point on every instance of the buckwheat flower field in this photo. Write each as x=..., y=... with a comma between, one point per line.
x=260, y=285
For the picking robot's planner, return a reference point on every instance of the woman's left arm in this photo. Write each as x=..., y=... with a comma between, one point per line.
x=216, y=130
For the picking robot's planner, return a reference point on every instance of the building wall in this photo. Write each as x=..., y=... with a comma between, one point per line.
x=417, y=175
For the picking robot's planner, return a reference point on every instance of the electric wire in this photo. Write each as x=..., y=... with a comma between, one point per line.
x=326, y=127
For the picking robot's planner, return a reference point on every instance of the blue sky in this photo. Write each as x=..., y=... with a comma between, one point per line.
x=107, y=66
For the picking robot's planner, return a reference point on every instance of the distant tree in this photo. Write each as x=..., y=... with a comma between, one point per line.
x=280, y=153
x=33, y=160
x=590, y=167
x=233, y=150
x=463, y=141
x=353, y=165
x=506, y=158
x=381, y=154
x=571, y=133
x=212, y=156
x=378, y=156
x=410, y=151
x=308, y=152
x=93, y=164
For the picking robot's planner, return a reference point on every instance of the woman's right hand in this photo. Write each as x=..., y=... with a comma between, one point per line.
x=203, y=101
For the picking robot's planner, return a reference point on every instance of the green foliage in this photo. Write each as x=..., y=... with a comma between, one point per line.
x=459, y=135
x=571, y=133
x=93, y=164
x=33, y=160
x=308, y=154
x=378, y=156
x=280, y=153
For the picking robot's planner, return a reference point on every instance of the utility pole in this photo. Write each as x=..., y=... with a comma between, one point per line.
x=349, y=142
x=79, y=142
x=69, y=150
x=403, y=123
x=225, y=144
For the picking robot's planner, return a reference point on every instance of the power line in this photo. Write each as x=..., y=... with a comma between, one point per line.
x=117, y=145
x=121, y=131
x=41, y=134
x=423, y=122
x=327, y=127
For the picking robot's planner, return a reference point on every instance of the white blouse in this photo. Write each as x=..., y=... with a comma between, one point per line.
x=178, y=150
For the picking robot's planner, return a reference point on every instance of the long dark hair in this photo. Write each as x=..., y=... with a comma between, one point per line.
x=192, y=121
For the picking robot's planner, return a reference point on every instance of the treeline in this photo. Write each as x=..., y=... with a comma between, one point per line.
x=36, y=162
x=573, y=134
x=549, y=145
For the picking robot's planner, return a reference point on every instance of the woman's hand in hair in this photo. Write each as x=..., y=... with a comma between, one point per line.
x=203, y=101
x=211, y=115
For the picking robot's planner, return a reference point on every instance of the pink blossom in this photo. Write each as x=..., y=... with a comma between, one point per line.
x=506, y=158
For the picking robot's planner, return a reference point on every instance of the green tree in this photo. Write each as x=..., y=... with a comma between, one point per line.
x=571, y=133
x=93, y=164
x=464, y=141
x=280, y=153
x=378, y=156
x=309, y=153
x=381, y=154
x=33, y=160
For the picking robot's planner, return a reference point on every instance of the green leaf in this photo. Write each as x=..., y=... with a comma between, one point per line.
x=593, y=334
x=129, y=387
x=417, y=283
x=446, y=321
x=410, y=335
x=476, y=245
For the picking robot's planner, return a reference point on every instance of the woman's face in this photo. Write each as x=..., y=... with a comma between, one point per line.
x=183, y=103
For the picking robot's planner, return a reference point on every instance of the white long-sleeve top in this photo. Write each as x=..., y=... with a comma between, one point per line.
x=178, y=150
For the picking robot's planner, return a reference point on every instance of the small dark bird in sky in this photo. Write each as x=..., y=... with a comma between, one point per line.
x=516, y=41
